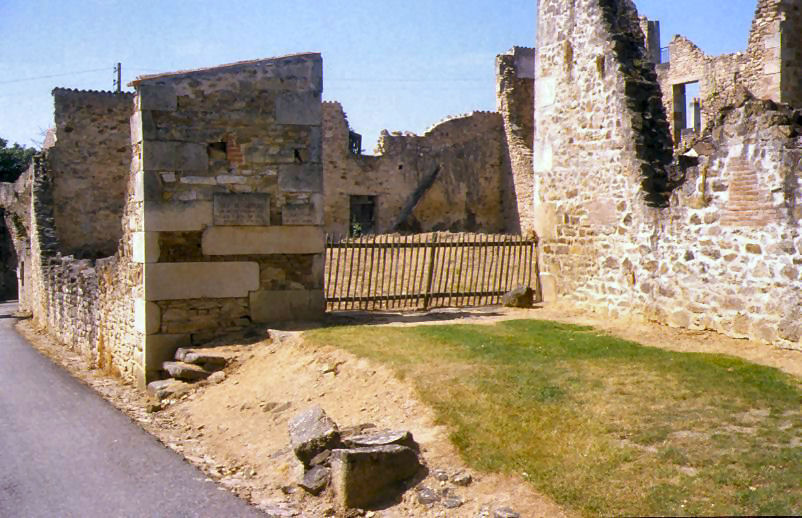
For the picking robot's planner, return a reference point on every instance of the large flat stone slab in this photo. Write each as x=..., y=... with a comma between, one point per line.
x=177, y=281
x=263, y=240
x=363, y=477
x=282, y=306
x=178, y=217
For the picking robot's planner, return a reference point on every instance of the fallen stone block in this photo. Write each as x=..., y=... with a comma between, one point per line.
x=316, y=479
x=209, y=362
x=520, y=297
x=311, y=433
x=163, y=389
x=362, y=477
x=185, y=371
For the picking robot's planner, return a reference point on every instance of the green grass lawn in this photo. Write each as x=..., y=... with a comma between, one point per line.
x=603, y=425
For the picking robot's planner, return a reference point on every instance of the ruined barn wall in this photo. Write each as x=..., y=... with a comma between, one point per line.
x=515, y=94
x=729, y=250
x=467, y=156
x=89, y=164
x=228, y=172
x=601, y=148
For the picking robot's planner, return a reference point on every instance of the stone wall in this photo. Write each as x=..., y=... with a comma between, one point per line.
x=229, y=181
x=89, y=168
x=450, y=178
x=515, y=94
x=709, y=242
x=770, y=67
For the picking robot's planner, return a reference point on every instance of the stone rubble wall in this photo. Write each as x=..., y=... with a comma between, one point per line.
x=515, y=94
x=710, y=242
x=770, y=67
x=228, y=173
x=467, y=155
x=89, y=167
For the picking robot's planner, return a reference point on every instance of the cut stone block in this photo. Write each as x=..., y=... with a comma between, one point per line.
x=142, y=126
x=245, y=209
x=303, y=212
x=548, y=287
x=209, y=362
x=146, y=247
x=163, y=389
x=157, y=97
x=159, y=349
x=185, y=371
x=363, y=477
x=178, y=217
x=191, y=157
x=263, y=240
x=287, y=305
x=316, y=479
x=299, y=108
x=369, y=440
x=311, y=433
x=158, y=155
x=147, y=317
x=147, y=186
x=300, y=177
x=520, y=297
x=177, y=281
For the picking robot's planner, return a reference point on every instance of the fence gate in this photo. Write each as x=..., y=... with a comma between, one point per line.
x=425, y=271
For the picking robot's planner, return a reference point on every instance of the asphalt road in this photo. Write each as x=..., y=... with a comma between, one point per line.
x=66, y=452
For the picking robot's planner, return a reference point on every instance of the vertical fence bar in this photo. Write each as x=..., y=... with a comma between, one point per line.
x=407, y=274
x=538, y=287
x=431, y=245
x=349, y=256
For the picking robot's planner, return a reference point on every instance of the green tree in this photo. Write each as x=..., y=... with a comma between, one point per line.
x=13, y=160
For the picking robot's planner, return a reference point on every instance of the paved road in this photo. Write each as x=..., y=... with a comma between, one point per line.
x=66, y=452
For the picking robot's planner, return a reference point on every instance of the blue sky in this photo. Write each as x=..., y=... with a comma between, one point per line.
x=400, y=65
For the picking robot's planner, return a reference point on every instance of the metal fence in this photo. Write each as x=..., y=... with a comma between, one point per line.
x=425, y=271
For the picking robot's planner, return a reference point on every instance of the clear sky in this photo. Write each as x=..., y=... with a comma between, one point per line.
x=401, y=65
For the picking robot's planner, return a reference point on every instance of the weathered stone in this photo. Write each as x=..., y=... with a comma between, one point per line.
x=312, y=432
x=181, y=217
x=301, y=178
x=282, y=306
x=174, y=281
x=426, y=495
x=520, y=297
x=209, y=362
x=402, y=438
x=245, y=209
x=505, y=512
x=164, y=389
x=302, y=108
x=462, y=479
x=452, y=501
x=185, y=371
x=157, y=97
x=362, y=477
x=147, y=317
x=316, y=479
x=263, y=240
x=145, y=247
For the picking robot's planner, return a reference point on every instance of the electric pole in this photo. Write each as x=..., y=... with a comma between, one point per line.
x=118, y=72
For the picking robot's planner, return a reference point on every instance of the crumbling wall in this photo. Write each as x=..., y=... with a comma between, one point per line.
x=229, y=183
x=515, y=94
x=89, y=168
x=450, y=178
x=770, y=67
x=711, y=242
x=729, y=251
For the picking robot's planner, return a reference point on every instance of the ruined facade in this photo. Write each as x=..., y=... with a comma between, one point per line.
x=467, y=173
x=220, y=221
x=770, y=67
x=710, y=241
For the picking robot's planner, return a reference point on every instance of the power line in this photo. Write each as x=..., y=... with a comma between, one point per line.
x=52, y=76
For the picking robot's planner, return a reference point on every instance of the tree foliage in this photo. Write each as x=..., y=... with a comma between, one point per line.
x=13, y=160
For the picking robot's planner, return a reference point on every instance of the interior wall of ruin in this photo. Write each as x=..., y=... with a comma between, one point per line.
x=450, y=178
x=229, y=178
x=90, y=167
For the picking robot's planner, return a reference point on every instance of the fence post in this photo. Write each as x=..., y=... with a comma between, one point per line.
x=428, y=296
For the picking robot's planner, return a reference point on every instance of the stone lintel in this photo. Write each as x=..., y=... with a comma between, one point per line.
x=181, y=281
x=263, y=240
x=178, y=216
x=287, y=305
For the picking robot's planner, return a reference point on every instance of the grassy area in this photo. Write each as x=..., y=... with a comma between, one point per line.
x=603, y=425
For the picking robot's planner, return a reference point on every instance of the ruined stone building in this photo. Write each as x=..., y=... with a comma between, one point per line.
x=708, y=239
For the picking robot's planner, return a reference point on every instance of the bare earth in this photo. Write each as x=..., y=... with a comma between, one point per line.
x=236, y=431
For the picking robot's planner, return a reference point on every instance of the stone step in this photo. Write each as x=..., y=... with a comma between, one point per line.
x=210, y=362
x=163, y=389
x=186, y=371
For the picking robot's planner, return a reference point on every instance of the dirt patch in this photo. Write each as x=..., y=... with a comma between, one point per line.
x=236, y=431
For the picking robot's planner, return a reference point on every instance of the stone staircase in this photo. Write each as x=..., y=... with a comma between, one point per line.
x=190, y=366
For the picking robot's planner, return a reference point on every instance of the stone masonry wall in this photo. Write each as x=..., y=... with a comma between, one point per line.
x=229, y=184
x=450, y=178
x=770, y=67
x=721, y=251
x=515, y=94
x=90, y=166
